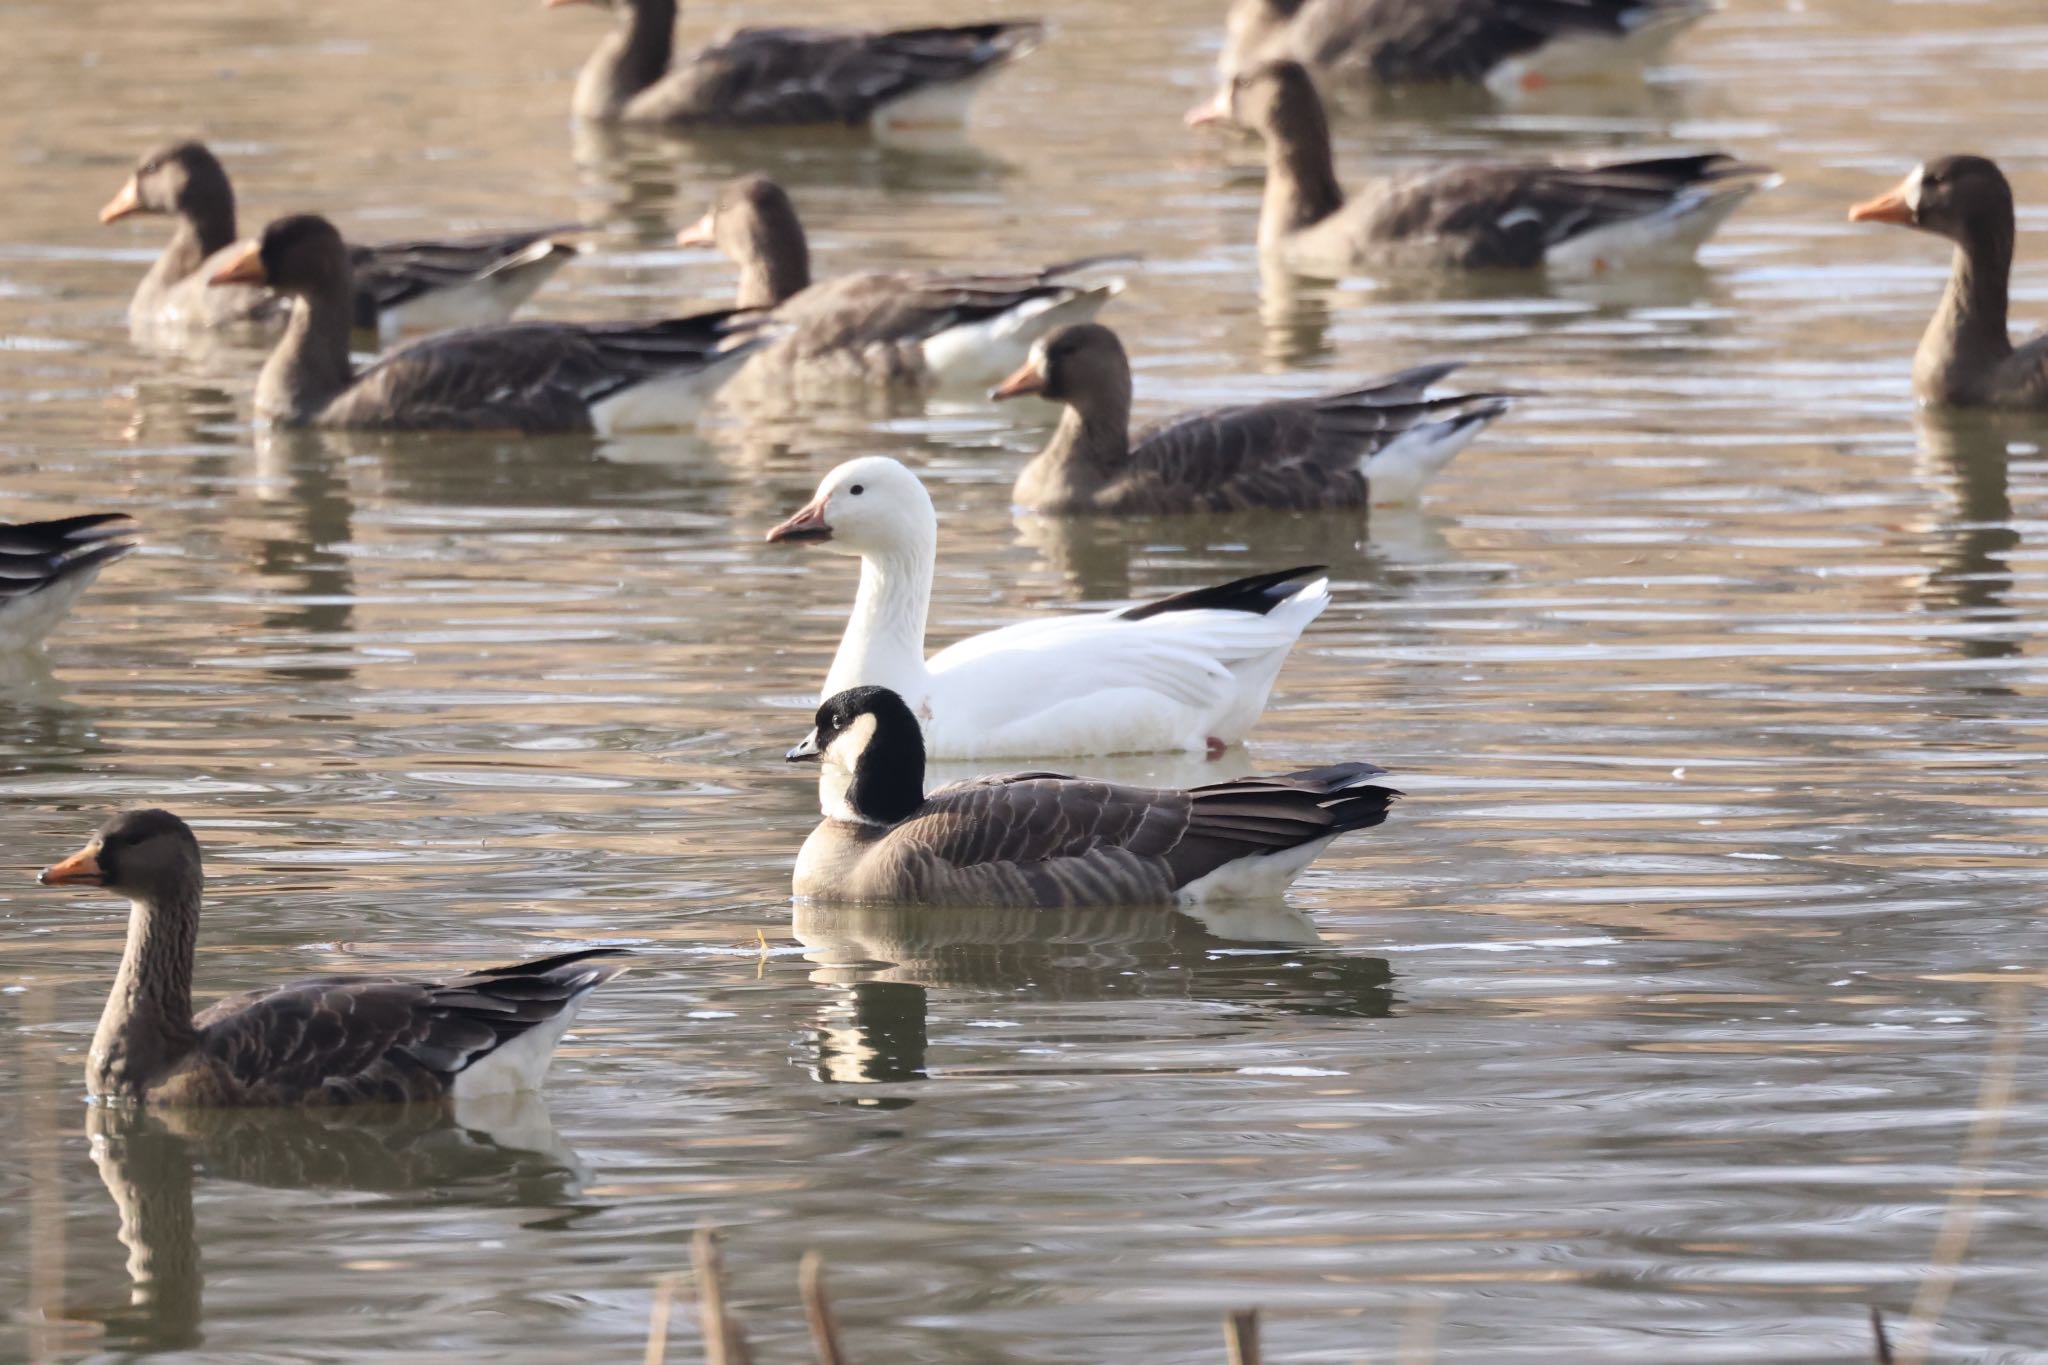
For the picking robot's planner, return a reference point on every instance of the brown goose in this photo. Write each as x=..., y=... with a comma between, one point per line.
x=1506, y=45
x=760, y=76
x=1043, y=839
x=1966, y=357
x=1298, y=455
x=901, y=329
x=1513, y=215
x=514, y=376
x=45, y=565
x=422, y=285
x=326, y=1040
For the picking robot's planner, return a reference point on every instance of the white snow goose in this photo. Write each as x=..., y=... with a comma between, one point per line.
x=1520, y=215
x=325, y=1040
x=529, y=377
x=1039, y=839
x=1509, y=46
x=1376, y=444
x=420, y=285
x=1190, y=672
x=45, y=565
x=757, y=77
x=898, y=329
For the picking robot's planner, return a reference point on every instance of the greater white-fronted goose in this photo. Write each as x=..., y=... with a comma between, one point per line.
x=325, y=1040
x=1506, y=45
x=1497, y=215
x=514, y=376
x=1188, y=672
x=753, y=77
x=45, y=565
x=1376, y=444
x=1966, y=356
x=1045, y=839
x=899, y=329
x=422, y=285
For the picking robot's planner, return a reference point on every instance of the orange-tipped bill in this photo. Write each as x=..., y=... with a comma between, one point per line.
x=80, y=869
x=128, y=201
x=806, y=526
x=245, y=268
x=1026, y=380
x=1215, y=109
x=1890, y=207
x=699, y=233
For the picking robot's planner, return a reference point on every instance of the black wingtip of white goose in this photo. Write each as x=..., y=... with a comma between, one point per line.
x=1257, y=594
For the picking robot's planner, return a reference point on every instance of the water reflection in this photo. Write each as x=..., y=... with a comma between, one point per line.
x=882, y=965
x=498, y=1154
x=1966, y=454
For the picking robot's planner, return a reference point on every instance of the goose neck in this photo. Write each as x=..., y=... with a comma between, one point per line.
x=884, y=642
x=1301, y=175
x=1967, y=336
x=310, y=367
x=633, y=56
x=147, y=1024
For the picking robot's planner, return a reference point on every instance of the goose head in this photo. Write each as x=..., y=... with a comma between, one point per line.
x=871, y=506
x=174, y=179
x=754, y=225
x=1276, y=100
x=1957, y=197
x=302, y=254
x=870, y=753
x=1072, y=365
x=149, y=856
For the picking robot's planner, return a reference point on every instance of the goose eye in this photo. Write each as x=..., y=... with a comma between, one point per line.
x=856, y=490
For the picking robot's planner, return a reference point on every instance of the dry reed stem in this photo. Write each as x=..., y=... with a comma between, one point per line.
x=46, y=1180
x=657, y=1319
x=810, y=1281
x=1884, y=1343
x=1241, y=1335
x=1994, y=1098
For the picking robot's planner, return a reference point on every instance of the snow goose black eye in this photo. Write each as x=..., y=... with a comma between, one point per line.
x=856, y=490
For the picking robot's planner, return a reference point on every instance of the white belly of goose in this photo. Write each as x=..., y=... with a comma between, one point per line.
x=1672, y=234
x=665, y=401
x=978, y=354
x=1251, y=879
x=520, y=1064
x=24, y=621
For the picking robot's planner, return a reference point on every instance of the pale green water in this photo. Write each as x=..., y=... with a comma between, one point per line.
x=1650, y=1027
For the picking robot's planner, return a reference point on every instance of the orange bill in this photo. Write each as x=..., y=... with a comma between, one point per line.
x=245, y=268
x=699, y=233
x=1215, y=109
x=1889, y=207
x=563, y=4
x=128, y=201
x=80, y=869
x=806, y=525
x=1026, y=380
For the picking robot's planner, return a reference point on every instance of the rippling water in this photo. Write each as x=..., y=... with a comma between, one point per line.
x=1651, y=1027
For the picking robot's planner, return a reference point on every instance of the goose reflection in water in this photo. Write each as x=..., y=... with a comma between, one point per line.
x=499, y=1153
x=882, y=964
x=1972, y=541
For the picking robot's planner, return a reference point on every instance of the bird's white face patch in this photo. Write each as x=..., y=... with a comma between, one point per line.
x=1910, y=191
x=849, y=744
x=1037, y=356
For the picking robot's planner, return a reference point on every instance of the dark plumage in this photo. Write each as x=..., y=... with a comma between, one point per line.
x=1403, y=42
x=1500, y=215
x=421, y=284
x=325, y=1040
x=898, y=328
x=1301, y=454
x=762, y=76
x=1966, y=357
x=517, y=376
x=1044, y=839
x=45, y=565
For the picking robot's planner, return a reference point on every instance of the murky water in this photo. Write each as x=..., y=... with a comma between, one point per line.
x=1651, y=1027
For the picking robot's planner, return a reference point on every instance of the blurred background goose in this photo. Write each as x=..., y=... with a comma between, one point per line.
x=1966, y=356
x=1043, y=839
x=514, y=376
x=421, y=285
x=45, y=565
x=325, y=1040
x=909, y=329
x=1376, y=444
x=1514, y=215
x=1189, y=672
x=1506, y=45
x=760, y=76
